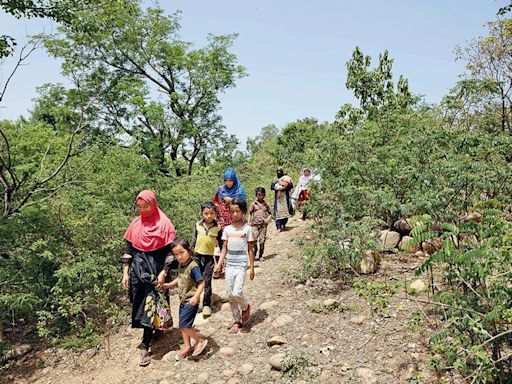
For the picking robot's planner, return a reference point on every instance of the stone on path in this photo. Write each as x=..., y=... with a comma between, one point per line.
x=234, y=380
x=331, y=303
x=225, y=307
x=366, y=375
x=227, y=351
x=357, y=319
x=268, y=304
x=282, y=321
x=202, y=378
x=418, y=285
x=246, y=368
x=228, y=373
x=276, y=340
x=276, y=361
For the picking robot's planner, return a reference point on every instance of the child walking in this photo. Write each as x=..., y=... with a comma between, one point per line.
x=236, y=250
x=260, y=217
x=190, y=286
x=207, y=233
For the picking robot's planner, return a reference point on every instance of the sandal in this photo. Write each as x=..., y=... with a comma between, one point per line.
x=235, y=328
x=145, y=357
x=183, y=354
x=200, y=347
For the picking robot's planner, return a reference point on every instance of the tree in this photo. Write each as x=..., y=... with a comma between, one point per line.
x=58, y=10
x=489, y=73
x=151, y=86
x=374, y=88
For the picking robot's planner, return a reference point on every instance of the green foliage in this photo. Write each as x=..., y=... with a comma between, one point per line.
x=477, y=295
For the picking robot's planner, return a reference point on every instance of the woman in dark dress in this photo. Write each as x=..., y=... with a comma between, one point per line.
x=147, y=252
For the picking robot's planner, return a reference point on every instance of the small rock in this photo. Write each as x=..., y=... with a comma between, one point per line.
x=282, y=321
x=246, y=368
x=276, y=361
x=228, y=373
x=164, y=381
x=420, y=254
x=276, y=340
x=475, y=217
x=219, y=382
x=268, y=304
x=331, y=303
x=227, y=351
x=225, y=307
x=233, y=380
x=18, y=351
x=366, y=375
x=202, y=378
x=418, y=285
x=200, y=320
x=357, y=319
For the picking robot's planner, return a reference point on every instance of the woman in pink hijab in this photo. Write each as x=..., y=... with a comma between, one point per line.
x=145, y=264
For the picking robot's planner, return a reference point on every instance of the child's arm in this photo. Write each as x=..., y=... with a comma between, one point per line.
x=250, y=250
x=173, y=283
x=218, y=267
x=195, y=299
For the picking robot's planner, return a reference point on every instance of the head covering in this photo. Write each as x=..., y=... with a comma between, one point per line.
x=303, y=183
x=237, y=190
x=152, y=230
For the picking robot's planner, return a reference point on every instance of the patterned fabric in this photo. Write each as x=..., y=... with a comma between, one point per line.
x=238, y=239
x=223, y=216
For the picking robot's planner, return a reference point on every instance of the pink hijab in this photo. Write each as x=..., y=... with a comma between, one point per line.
x=150, y=231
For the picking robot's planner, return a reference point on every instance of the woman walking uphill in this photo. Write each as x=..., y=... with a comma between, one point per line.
x=148, y=246
x=282, y=186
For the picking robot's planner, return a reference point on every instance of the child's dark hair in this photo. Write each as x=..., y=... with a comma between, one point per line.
x=242, y=204
x=262, y=190
x=208, y=205
x=184, y=243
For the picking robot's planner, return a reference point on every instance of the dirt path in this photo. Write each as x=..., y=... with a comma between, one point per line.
x=349, y=346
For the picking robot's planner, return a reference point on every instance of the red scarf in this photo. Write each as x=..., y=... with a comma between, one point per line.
x=151, y=230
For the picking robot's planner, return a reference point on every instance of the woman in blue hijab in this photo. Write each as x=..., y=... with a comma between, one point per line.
x=232, y=188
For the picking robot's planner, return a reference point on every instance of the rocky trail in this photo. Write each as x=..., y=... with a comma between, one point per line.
x=300, y=331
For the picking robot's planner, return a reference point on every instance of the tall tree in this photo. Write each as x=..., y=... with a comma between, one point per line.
x=152, y=88
x=487, y=83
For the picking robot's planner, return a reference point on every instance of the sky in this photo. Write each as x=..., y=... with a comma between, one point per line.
x=295, y=51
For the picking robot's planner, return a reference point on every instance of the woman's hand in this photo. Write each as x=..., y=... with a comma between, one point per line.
x=251, y=273
x=161, y=280
x=125, y=282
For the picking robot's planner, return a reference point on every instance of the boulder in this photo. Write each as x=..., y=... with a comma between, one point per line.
x=246, y=368
x=432, y=245
x=369, y=263
x=402, y=245
x=282, y=320
x=227, y=351
x=403, y=226
x=389, y=239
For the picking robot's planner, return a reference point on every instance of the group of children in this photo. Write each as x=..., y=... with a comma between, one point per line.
x=240, y=244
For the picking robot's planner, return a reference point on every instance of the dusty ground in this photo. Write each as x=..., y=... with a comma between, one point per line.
x=347, y=345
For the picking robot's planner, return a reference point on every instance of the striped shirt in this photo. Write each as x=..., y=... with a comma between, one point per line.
x=238, y=239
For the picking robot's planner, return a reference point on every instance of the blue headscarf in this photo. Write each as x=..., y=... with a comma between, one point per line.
x=237, y=190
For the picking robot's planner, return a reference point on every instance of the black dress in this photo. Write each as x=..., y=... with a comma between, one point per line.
x=144, y=270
